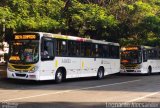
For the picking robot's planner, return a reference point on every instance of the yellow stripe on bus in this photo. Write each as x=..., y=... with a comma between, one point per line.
x=82, y=64
x=56, y=63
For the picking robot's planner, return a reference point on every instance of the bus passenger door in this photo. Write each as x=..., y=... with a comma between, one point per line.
x=47, y=57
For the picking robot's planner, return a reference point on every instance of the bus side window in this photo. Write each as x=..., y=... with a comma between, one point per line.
x=100, y=51
x=155, y=54
x=105, y=51
x=61, y=47
x=73, y=48
x=145, y=56
x=87, y=49
x=82, y=49
x=113, y=51
x=117, y=50
x=149, y=54
x=94, y=50
x=77, y=49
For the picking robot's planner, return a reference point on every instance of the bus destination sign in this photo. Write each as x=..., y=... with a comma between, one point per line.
x=130, y=48
x=25, y=37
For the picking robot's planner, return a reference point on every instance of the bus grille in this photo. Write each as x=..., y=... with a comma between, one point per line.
x=130, y=70
x=20, y=75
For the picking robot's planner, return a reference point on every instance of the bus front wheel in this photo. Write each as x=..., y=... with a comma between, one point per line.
x=100, y=73
x=59, y=76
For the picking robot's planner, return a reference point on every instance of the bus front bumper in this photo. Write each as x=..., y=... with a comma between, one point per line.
x=139, y=71
x=19, y=75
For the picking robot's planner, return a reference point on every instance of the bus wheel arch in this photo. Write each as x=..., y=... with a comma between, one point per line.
x=100, y=72
x=149, y=71
x=60, y=74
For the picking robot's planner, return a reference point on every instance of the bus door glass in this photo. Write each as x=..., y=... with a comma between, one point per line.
x=47, y=49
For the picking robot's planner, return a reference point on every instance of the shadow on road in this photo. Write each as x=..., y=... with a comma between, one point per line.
x=80, y=105
x=56, y=105
x=76, y=83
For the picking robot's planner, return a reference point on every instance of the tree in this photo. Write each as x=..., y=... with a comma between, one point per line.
x=88, y=20
x=124, y=21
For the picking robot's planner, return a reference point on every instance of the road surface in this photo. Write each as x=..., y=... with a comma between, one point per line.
x=82, y=93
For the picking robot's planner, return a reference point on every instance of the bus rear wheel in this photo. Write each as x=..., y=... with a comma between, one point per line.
x=149, y=71
x=59, y=76
x=100, y=73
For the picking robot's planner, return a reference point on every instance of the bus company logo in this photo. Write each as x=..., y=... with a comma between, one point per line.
x=104, y=62
x=66, y=60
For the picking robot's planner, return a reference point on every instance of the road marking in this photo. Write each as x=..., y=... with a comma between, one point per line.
x=148, y=95
x=67, y=91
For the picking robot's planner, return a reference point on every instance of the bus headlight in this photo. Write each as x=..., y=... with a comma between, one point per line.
x=138, y=66
x=10, y=68
x=122, y=67
x=35, y=68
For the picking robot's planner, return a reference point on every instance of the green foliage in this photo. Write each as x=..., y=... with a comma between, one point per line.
x=88, y=19
x=124, y=21
x=32, y=15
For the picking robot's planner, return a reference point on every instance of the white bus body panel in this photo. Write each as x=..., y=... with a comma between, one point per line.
x=154, y=64
x=75, y=67
x=78, y=67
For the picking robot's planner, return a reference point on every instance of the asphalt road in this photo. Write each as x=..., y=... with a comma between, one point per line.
x=82, y=93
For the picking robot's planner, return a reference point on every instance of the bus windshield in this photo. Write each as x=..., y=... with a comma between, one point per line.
x=24, y=51
x=131, y=57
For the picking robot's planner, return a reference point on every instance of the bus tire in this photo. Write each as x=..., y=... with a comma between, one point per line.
x=100, y=73
x=149, y=71
x=59, y=76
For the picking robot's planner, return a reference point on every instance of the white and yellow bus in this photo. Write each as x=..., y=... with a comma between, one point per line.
x=140, y=59
x=46, y=56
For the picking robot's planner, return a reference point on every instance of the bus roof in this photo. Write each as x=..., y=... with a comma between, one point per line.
x=59, y=36
x=139, y=46
x=67, y=37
